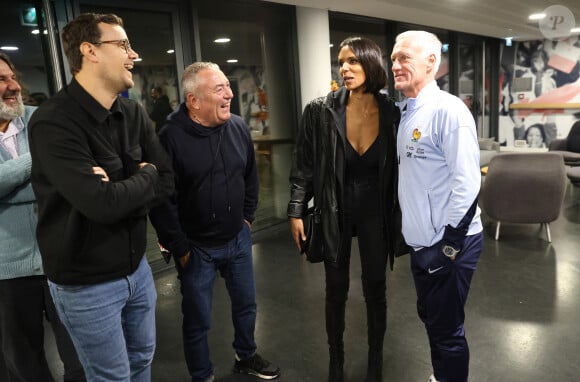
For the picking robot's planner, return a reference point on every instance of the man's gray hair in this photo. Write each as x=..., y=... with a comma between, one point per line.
x=189, y=81
x=428, y=42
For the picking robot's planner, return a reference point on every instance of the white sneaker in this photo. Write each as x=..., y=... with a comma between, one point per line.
x=432, y=379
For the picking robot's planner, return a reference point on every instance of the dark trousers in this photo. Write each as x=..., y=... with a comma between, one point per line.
x=362, y=218
x=23, y=303
x=373, y=256
x=442, y=286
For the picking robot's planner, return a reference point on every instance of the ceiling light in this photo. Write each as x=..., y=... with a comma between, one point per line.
x=35, y=31
x=9, y=47
x=575, y=30
x=221, y=40
x=508, y=41
x=537, y=16
x=139, y=59
x=232, y=60
x=331, y=45
x=171, y=51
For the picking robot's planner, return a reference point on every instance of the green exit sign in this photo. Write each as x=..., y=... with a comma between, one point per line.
x=28, y=17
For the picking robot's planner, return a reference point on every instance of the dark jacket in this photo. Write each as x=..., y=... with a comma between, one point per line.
x=216, y=183
x=90, y=231
x=326, y=117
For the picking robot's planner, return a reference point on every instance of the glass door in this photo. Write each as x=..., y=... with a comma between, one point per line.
x=474, y=85
x=154, y=32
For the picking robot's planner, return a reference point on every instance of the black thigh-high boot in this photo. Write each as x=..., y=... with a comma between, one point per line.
x=334, y=331
x=377, y=325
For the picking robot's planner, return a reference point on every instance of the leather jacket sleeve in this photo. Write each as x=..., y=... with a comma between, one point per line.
x=301, y=174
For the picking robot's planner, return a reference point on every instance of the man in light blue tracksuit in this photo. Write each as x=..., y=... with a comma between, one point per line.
x=439, y=180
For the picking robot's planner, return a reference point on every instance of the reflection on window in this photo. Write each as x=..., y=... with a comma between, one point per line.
x=20, y=39
x=155, y=68
x=342, y=27
x=252, y=45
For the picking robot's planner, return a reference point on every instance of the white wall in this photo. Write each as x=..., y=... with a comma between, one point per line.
x=313, y=52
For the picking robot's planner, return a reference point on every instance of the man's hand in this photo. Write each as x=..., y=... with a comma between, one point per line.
x=100, y=171
x=143, y=164
x=297, y=231
x=183, y=260
x=452, y=242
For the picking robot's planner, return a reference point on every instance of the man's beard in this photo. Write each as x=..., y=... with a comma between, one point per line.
x=8, y=113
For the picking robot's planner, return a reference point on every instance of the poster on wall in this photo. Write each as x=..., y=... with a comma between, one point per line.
x=539, y=72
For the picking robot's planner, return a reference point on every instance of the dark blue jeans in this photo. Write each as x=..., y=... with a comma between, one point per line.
x=442, y=286
x=234, y=262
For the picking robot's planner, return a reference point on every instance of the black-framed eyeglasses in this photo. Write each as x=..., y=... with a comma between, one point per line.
x=124, y=43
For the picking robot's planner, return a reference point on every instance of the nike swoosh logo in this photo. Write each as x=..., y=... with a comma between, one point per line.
x=431, y=271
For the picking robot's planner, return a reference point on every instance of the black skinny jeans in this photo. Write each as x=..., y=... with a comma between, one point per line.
x=362, y=219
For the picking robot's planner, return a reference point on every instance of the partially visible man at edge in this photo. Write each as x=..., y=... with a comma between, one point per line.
x=97, y=167
x=24, y=294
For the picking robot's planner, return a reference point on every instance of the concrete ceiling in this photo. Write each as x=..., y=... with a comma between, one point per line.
x=493, y=18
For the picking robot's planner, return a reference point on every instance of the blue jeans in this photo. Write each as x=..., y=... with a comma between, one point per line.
x=112, y=325
x=234, y=262
x=442, y=287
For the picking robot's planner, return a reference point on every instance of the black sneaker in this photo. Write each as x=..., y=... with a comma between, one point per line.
x=258, y=366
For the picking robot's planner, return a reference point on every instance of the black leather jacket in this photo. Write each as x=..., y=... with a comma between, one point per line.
x=319, y=157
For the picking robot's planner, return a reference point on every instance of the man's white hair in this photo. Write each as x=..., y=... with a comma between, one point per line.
x=189, y=80
x=428, y=42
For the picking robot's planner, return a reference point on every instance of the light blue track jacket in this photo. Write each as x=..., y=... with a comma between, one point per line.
x=439, y=174
x=19, y=254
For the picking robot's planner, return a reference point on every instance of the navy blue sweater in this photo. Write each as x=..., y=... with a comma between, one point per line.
x=216, y=183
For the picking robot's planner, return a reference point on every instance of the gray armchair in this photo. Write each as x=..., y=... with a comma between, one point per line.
x=525, y=188
x=569, y=147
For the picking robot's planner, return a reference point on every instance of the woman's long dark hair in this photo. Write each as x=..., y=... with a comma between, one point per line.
x=370, y=57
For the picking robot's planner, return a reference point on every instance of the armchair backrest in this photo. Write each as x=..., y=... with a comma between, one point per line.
x=573, y=139
x=524, y=187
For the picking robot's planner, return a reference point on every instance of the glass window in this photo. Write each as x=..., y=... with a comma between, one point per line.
x=156, y=66
x=343, y=26
x=21, y=39
x=253, y=45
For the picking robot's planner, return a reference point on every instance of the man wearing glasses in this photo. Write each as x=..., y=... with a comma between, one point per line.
x=97, y=167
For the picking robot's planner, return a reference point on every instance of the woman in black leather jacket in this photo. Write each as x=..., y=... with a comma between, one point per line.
x=347, y=142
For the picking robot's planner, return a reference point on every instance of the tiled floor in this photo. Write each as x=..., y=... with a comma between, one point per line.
x=523, y=313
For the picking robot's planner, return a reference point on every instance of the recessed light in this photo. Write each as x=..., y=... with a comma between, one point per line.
x=9, y=48
x=537, y=16
x=232, y=60
x=171, y=51
x=35, y=31
x=222, y=40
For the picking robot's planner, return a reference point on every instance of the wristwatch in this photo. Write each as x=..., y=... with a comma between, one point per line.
x=449, y=251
